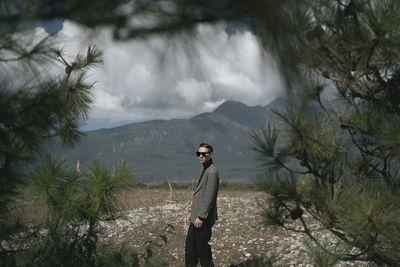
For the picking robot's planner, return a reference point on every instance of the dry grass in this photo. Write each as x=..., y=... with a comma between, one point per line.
x=238, y=235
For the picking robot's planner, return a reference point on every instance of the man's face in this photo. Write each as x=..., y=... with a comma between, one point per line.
x=206, y=157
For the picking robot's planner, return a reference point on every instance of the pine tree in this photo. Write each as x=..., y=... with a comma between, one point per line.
x=36, y=106
x=74, y=205
x=37, y=109
x=341, y=165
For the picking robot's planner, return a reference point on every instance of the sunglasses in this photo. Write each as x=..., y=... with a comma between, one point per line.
x=203, y=154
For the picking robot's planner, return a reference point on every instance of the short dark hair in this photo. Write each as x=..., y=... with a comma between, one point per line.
x=209, y=147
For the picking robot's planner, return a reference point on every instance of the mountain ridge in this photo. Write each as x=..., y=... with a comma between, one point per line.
x=163, y=150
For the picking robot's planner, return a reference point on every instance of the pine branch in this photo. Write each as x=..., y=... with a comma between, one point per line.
x=383, y=171
x=39, y=49
x=309, y=233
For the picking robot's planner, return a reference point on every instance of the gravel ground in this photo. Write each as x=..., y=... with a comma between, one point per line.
x=238, y=235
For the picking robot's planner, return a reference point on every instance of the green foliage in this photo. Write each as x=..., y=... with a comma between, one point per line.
x=322, y=257
x=343, y=159
x=101, y=186
x=124, y=255
x=73, y=205
x=371, y=221
x=152, y=244
x=55, y=185
x=66, y=250
x=285, y=202
x=39, y=109
x=36, y=106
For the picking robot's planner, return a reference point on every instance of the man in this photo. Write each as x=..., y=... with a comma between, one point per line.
x=203, y=212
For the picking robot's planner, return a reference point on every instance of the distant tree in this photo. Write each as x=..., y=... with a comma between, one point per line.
x=341, y=165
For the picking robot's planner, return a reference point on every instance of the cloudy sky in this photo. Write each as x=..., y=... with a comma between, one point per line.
x=160, y=78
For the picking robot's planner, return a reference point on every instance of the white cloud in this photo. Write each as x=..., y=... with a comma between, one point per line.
x=194, y=92
x=162, y=78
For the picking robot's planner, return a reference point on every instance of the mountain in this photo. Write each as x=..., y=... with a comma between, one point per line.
x=241, y=113
x=164, y=150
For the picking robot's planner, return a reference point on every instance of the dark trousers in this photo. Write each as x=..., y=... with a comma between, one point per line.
x=196, y=246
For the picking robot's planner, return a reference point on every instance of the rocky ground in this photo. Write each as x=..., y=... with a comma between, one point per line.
x=238, y=236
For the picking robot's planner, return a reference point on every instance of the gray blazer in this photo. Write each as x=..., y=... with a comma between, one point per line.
x=204, y=203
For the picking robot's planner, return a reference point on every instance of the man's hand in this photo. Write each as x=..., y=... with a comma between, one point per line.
x=188, y=217
x=198, y=223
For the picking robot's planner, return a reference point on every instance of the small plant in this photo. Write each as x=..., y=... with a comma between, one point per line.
x=160, y=241
x=171, y=194
x=74, y=205
x=322, y=257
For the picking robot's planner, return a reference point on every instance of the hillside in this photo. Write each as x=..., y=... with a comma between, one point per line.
x=163, y=150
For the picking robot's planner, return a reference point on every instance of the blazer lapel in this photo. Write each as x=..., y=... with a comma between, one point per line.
x=202, y=180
